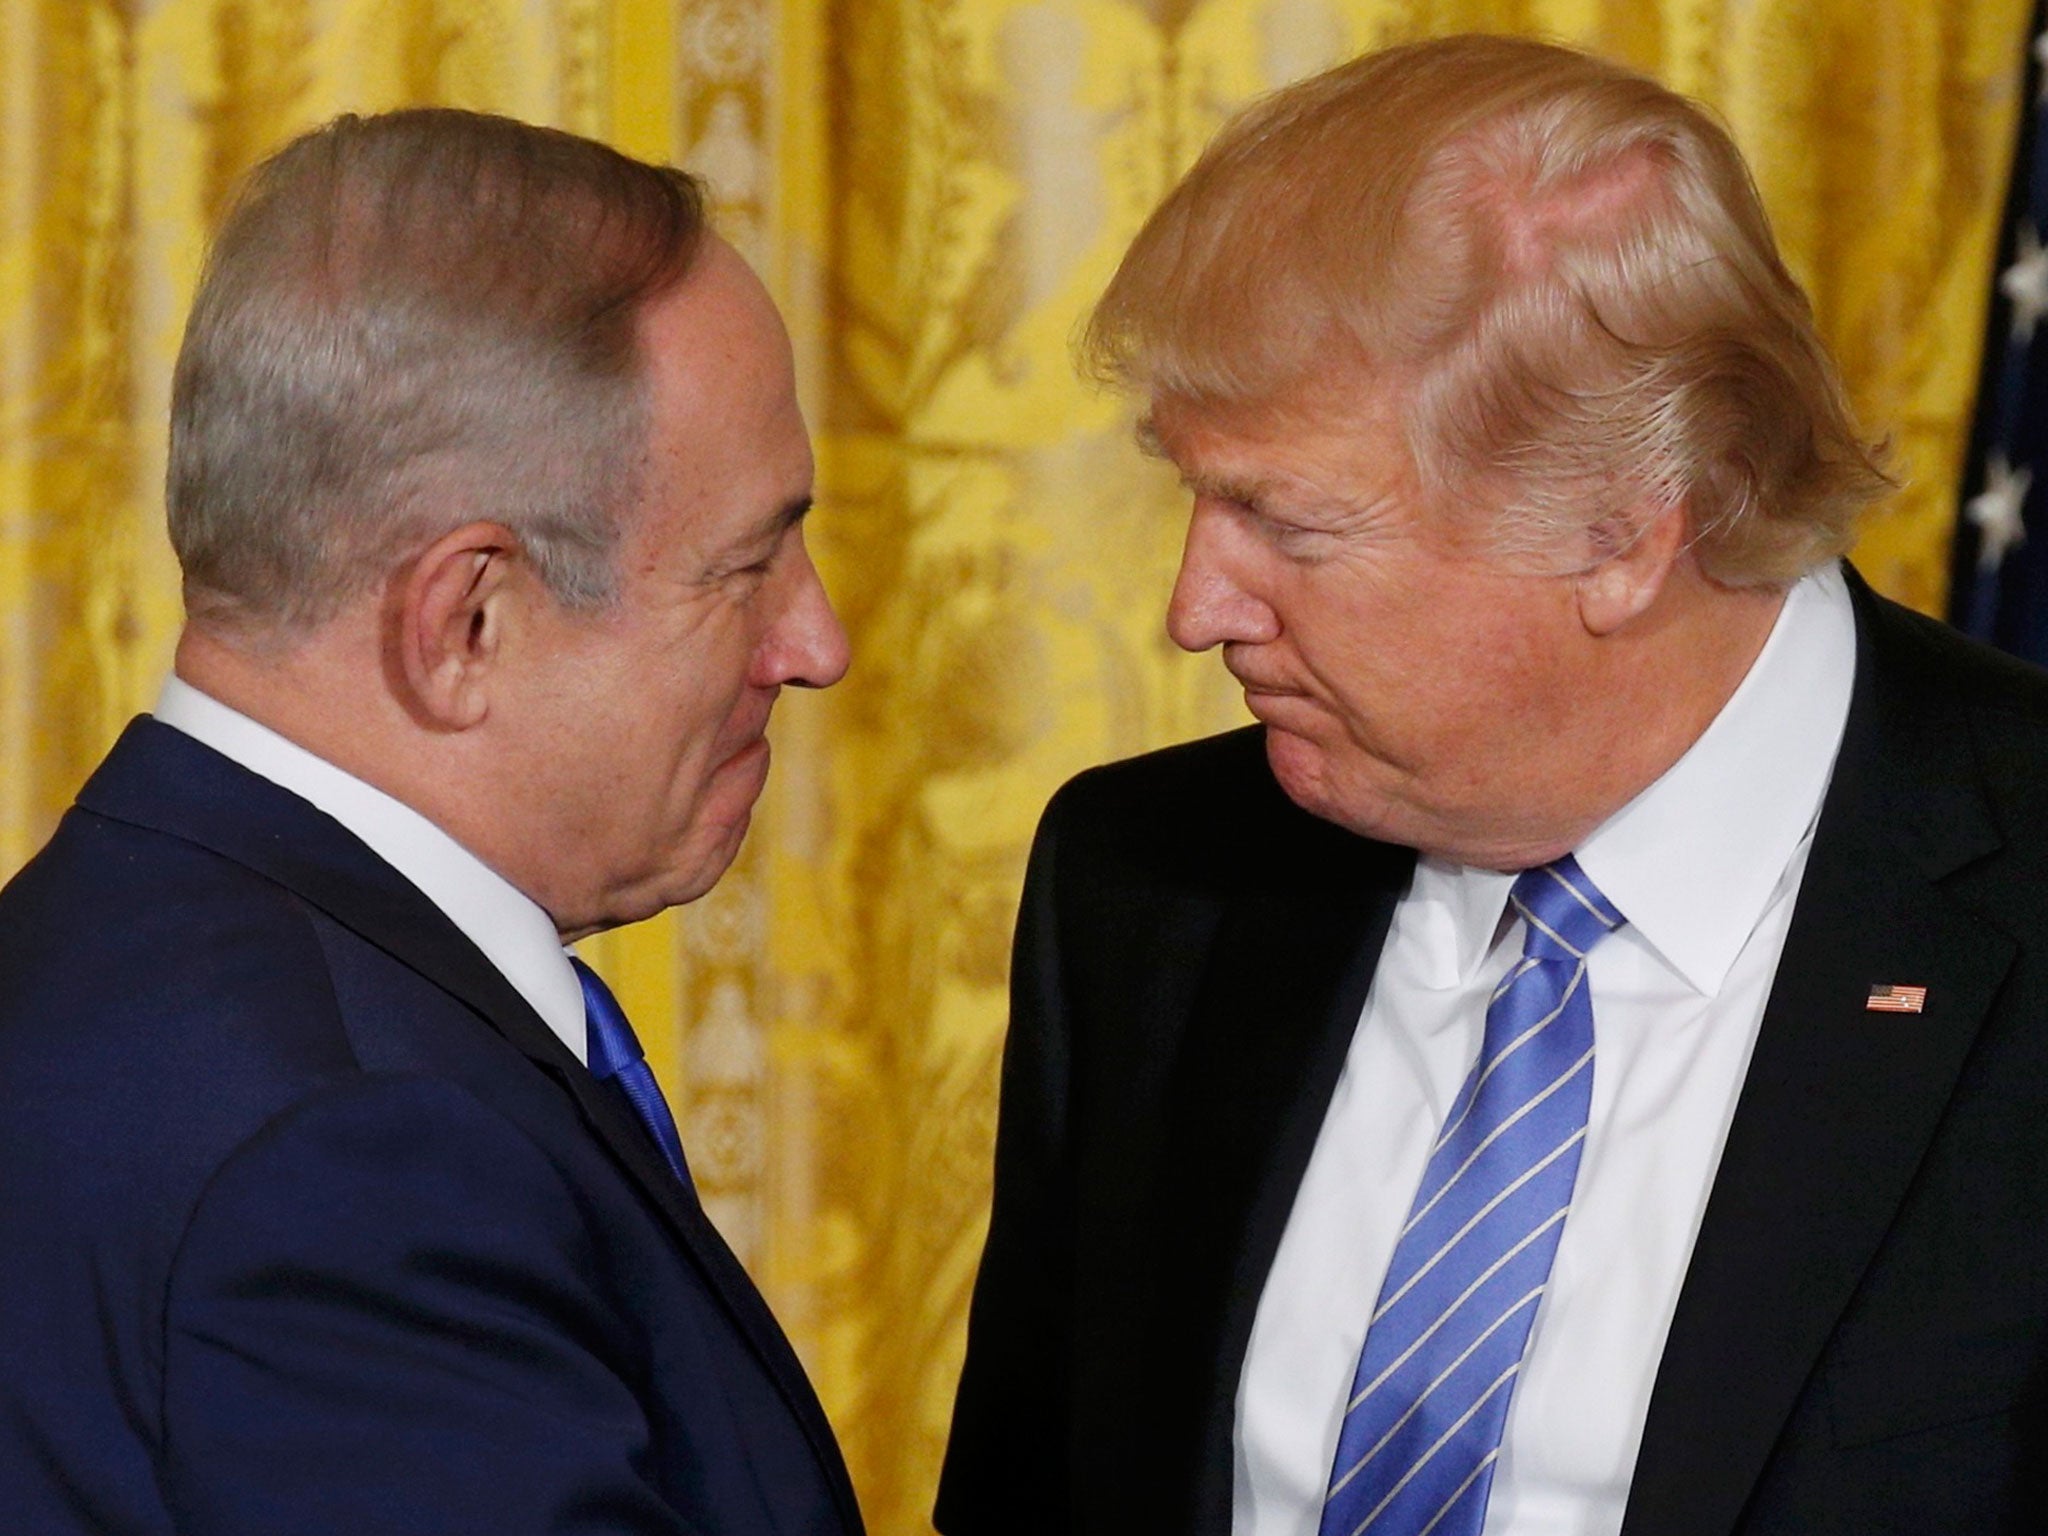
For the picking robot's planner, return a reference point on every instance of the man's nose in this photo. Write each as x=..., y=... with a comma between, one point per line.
x=1211, y=604
x=808, y=648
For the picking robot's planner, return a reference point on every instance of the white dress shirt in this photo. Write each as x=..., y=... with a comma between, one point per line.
x=511, y=929
x=1705, y=864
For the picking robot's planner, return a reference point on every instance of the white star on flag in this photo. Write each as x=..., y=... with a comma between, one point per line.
x=2025, y=283
x=1996, y=511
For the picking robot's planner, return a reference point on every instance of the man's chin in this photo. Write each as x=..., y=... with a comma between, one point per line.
x=703, y=857
x=1302, y=769
x=713, y=849
x=727, y=809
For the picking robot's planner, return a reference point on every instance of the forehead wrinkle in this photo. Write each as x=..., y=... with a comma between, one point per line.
x=1310, y=500
x=1313, y=460
x=1231, y=470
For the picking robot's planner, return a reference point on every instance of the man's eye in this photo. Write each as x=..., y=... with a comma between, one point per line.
x=1295, y=541
x=758, y=568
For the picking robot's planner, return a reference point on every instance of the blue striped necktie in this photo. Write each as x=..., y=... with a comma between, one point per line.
x=1423, y=1426
x=616, y=1057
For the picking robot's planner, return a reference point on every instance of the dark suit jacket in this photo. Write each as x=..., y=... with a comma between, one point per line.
x=309, y=1225
x=1861, y=1343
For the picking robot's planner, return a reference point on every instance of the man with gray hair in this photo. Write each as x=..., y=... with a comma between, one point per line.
x=338, y=1196
x=1580, y=1064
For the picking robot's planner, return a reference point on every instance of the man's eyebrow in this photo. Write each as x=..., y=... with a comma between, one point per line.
x=1246, y=493
x=787, y=516
x=1224, y=487
x=764, y=537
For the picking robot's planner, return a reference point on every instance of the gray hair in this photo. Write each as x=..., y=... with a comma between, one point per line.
x=409, y=322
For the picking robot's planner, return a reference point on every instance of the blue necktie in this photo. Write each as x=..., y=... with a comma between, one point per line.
x=616, y=1057
x=1423, y=1425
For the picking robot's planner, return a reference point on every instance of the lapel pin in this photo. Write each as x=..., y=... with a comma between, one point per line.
x=1896, y=1000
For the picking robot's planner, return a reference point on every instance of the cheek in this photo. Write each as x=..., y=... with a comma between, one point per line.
x=689, y=745
x=682, y=692
x=1517, y=690
x=1436, y=677
x=708, y=716
x=1384, y=653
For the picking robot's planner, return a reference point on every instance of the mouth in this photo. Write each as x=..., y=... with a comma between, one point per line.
x=1256, y=690
x=750, y=732
x=753, y=755
x=1252, y=683
x=1281, y=709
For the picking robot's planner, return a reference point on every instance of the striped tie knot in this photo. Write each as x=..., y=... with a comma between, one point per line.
x=1564, y=912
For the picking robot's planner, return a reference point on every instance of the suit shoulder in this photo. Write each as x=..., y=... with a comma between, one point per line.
x=150, y=984
x=1191, y=777
x=1217, y=787
x=159, y=1005
x=1201, y=812
x=1962, y=670
x=1937, y=679
x=112, y=920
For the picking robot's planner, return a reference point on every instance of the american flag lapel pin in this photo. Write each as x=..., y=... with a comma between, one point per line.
x=1896, y=1000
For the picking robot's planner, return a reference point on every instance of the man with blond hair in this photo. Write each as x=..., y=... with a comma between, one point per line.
x=1580, y=1064
x=337, y=1196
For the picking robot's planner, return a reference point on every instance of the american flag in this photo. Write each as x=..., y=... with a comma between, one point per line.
x=1999, y=573
x=1896, y=1000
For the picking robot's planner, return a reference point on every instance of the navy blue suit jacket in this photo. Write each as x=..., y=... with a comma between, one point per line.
x=309, y=1224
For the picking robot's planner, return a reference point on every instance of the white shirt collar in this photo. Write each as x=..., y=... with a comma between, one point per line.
x=1693, y=860
x=1457, y=909
x=511, y=929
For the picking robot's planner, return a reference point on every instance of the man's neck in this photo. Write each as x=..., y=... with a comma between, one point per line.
x=308, y=688
x=1654, y=694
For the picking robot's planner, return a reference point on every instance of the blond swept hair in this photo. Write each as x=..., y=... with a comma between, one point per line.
x=408, y=322
x=1563, y=267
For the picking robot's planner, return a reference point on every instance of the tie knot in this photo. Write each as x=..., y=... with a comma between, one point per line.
x=1564, y=911
x=611, y=1041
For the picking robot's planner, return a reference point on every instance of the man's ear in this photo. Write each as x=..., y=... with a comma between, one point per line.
x=1629, y=570
x=449, y=622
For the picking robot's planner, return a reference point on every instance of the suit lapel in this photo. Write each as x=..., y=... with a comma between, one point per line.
x=425, y=940
x=1839, y=1102
x=159, y=778
x=1291, y=964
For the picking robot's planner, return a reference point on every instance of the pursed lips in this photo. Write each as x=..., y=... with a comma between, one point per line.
x=1277, y=704
x=751, y=723
x=1258, y=687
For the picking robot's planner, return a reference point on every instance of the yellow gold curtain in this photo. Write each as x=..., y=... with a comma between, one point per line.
x=935, y=188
